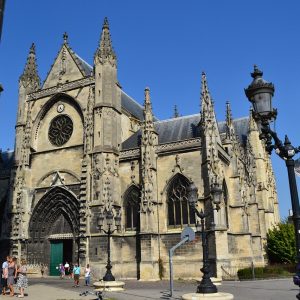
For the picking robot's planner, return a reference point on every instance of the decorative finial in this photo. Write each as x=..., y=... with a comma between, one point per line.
x=286, y=140
x=65, y=36
x=105, y=23
x=176, y=114
x=257, y=72
x=32, y=49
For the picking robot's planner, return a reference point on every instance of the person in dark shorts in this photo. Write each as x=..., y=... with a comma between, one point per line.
x=76, y=272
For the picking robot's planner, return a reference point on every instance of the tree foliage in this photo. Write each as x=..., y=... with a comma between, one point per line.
x=281, y=244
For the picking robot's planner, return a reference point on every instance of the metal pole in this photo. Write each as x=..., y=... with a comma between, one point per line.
x=290, y=164
x=171, y=272
x=171, y=251
x=108, y=275
x=206, y=286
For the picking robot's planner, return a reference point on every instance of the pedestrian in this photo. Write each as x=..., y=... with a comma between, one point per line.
x=67, y=268
x=22, y=282
x=62, y=271
x=71, y=274
x=4, y=274
x=12, y=275
x=76, y=271
x=87, y=275
x=42, y=270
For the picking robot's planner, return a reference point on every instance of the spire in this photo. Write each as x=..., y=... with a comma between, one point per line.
x=30, y=74
x=206, y=101
x=105, y=50
x=176, y=114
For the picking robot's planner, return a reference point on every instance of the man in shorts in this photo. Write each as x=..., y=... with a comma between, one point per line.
x=76, y=272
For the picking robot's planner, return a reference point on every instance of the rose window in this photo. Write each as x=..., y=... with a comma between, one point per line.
x=60, y=130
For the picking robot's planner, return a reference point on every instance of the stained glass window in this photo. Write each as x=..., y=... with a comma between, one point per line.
x=179, y=211
x=132, y=200
x=60, y=131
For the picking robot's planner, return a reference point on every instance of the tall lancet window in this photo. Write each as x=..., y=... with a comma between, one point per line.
x=179, y=211
x=132, y=201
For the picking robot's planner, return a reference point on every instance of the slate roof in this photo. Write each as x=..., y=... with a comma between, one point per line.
x=84, y=67
x=132, y=106
x=184, y=128
x=241, y=126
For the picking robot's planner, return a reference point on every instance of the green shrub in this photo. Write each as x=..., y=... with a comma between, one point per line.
x=281, y=245
x=270, y=271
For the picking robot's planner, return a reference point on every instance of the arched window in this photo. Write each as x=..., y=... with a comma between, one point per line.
x=132, y=201
x=179, y=211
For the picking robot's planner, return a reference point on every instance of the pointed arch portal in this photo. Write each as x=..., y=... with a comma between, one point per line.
x=53, y=229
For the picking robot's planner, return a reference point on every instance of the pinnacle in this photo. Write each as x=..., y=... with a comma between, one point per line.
x=30, y=73
x=105, y=49
x=176, y=114
x=228, y=113
x=147, y=96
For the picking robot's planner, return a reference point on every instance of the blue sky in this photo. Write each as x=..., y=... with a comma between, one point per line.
x=166, y=45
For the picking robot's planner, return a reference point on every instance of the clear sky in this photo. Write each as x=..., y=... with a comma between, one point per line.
x=166, y=45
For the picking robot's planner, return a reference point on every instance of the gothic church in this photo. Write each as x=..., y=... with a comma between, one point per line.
x=85, y=148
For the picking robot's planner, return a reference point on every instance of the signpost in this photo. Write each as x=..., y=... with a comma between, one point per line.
x=187, y=235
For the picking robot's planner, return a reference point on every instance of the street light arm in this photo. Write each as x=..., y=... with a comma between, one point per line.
x=283, y=150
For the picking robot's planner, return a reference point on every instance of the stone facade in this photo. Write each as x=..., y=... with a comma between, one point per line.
x=84, y=147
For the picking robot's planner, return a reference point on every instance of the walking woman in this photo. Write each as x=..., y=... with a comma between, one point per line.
x=22, y=282
x=12, y=274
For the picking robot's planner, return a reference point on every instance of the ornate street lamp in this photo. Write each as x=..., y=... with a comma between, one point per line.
x=206, y=286
x=109, y=222
x=260, y=93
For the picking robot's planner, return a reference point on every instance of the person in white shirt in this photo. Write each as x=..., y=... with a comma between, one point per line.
x=4, y=273
x=87, y=275
x=67, y=268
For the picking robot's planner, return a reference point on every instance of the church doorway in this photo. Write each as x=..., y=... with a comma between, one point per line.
x=54, y=229
x=61, y=251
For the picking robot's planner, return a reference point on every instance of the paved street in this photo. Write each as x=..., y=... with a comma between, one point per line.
x=54, y=288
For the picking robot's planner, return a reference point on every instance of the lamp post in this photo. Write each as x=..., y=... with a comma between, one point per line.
x=260, y=93
x=109, y=221
x=206, y=286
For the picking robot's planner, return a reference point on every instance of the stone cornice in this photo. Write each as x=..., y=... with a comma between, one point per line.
x=186, y=144
x=164, y=148
x=61, y=88
x=131, y=153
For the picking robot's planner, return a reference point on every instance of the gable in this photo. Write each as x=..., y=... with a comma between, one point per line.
x=67, y=67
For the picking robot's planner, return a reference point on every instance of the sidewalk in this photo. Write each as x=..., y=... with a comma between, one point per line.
x=55, y=289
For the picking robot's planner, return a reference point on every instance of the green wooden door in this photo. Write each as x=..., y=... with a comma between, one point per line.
x=56, y=257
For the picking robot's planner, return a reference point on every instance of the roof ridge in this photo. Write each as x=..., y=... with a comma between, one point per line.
x=174, y=119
